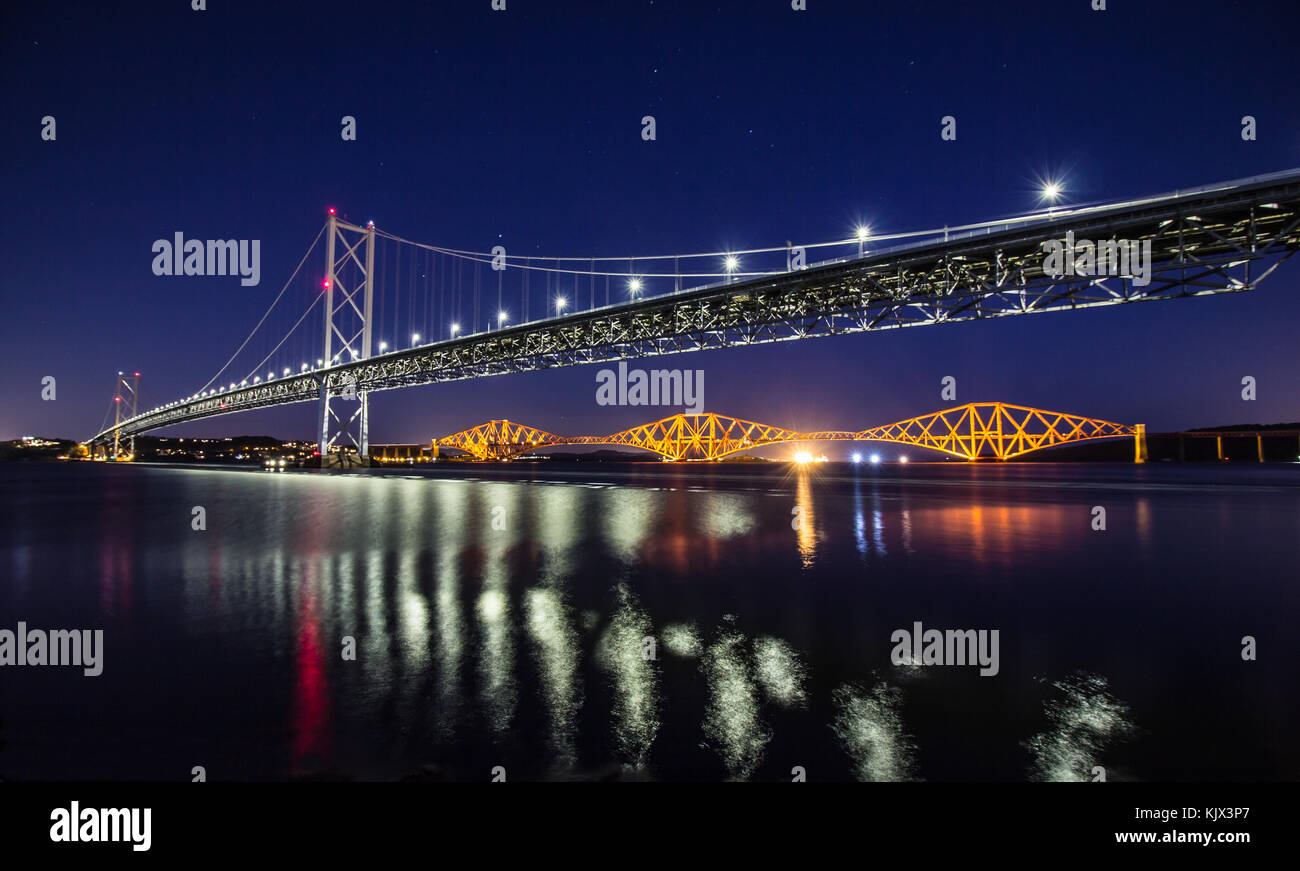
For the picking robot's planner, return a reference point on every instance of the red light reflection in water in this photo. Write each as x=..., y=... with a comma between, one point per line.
x=115, y=568
x=311, y=736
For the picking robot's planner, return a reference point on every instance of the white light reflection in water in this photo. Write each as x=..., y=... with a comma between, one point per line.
x=412, y=606
x=550, y=622
x=497, y=687
x=449, y=500
x=732, y=724
x=1085, y=719
x=725, y=515
x=682, y=639
x=630, y=516
x=373, y=645
x=636, y=685
x=871, y=732
x=557, y=661
x=780, y=672
x=412, y=610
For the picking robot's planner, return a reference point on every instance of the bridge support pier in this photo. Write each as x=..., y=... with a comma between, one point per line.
x=1140, y=443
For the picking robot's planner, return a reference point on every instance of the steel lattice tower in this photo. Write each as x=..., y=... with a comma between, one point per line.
x=348, y=290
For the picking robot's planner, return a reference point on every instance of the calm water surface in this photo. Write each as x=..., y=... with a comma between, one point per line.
x=645, y=621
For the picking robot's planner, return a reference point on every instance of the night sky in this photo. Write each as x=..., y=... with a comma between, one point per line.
x=523, y=128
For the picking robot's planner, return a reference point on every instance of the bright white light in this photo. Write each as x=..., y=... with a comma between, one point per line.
x=803, y=457
x=732, y=263
x=634, y=286
x=286, y=370
x=857, y=458
x=903, y=458
x=320, y=362
x=863, y=233
x=501, y=317
x=415, y=337
x=560, y=303
x=455, y=328
x=383, y=346
x=875, y=458
x=1051, y=191
x=304, y=368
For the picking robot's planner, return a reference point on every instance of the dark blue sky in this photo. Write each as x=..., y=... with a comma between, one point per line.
x=522, y=128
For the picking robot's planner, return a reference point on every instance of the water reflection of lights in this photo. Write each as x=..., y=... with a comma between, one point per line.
x=496, y=659
x=556, y=641
x=1085, y=719
x=780, y=672
x=636, y=685
x=725, y=515
x=871, y=732
x=449, y=501
x=629, y=516
x=731, y=722
x=682, y=639
x=496, y=626
x=806, y=517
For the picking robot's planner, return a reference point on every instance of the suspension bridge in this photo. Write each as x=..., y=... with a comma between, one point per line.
x=386, y=312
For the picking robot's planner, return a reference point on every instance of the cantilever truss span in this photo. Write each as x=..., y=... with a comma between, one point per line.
x=1215, y=239
x=975, y=431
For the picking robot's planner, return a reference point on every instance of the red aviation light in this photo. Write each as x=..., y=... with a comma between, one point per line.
x=331, y=210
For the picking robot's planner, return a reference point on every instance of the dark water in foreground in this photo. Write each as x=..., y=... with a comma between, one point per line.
x=520, y=643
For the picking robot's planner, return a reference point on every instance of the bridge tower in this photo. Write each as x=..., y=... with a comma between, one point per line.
x=130, y=384
x=349, y=291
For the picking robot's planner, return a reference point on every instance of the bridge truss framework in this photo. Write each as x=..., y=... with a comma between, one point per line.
x=974, y=431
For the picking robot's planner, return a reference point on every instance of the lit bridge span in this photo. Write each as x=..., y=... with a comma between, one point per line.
x=1213, y=239
x=975, y=431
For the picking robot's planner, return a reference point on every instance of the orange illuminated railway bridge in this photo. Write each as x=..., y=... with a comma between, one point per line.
x=974, y=431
